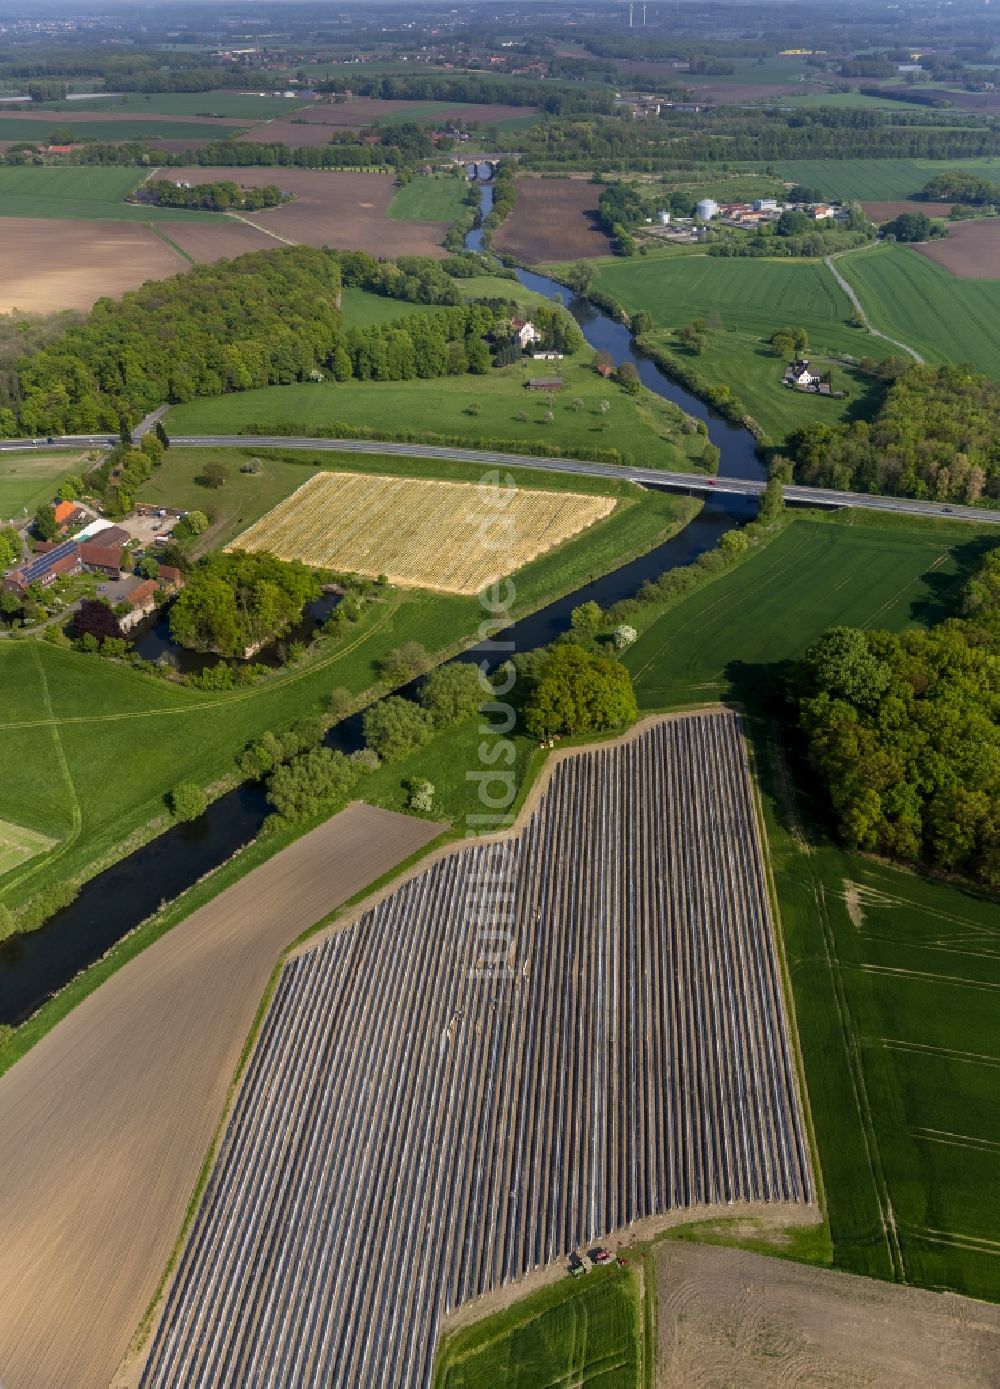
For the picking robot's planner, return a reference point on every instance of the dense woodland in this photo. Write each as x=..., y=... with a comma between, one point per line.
x=904, y=731
x=935, y=436
x=235, y=603
x=210, y=197
x=268, y=318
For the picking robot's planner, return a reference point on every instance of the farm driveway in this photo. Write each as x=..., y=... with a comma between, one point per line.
x=105, y=1124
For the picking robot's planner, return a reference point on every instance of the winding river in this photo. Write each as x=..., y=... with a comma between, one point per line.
x=35, y=965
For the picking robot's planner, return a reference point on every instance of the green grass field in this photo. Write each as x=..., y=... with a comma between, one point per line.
x=29, y=479
x=82, y=193
x=894, y=981
x=437, y=198
x=582, y=1333
x=877, y=180
x=947, y=319
x=723, y=640
x=224, y=103
x=646, y=427
x=744, y=302
x=18, y=844
x=131, y=127
x=71, y=724
x=362, y=308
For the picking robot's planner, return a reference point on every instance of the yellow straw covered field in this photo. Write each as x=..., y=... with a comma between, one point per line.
x=452, y=536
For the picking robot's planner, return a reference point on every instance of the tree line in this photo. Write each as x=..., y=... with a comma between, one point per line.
x=904, y=733
x=209, y=197
x=471, y=89
x=935, y=436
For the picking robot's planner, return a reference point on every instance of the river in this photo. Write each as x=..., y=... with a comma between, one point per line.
x=35, y=965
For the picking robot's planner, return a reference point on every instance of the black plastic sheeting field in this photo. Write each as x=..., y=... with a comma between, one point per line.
x=530, y=1044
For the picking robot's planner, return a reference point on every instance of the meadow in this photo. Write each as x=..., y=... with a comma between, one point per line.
x=945, y=317
x=90, y=194
x=727, y=639
x=70, y=724
x=473, y=410
x=361, y=308
x=743, y=302
x=433, y=198
x=29, y=479
x=877, y=180
x=580, y=1331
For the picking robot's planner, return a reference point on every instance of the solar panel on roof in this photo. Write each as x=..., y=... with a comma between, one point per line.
x=44, y=563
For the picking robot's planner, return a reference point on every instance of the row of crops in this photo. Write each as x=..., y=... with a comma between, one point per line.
x=529, y=1045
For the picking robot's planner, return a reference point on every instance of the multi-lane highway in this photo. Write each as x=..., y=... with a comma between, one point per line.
x=648, y=477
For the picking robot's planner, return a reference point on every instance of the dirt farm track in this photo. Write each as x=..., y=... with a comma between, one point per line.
x=105, y=1124
x=553, y=219
x=330, y=208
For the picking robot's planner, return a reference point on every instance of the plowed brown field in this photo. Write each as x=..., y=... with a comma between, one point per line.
x=971, y=249
x=207, y=241
x=727, y=1318
x=105, y=1124
x=48, y=264
x=331, y=209
x=352, y=115
x=553, y=219
x=885, y=212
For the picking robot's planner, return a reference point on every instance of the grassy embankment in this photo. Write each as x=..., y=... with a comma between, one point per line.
x=472, y=411
x=92, y=748
x=743, y=302
x=586, y=1332
x=92, y=194
x=945, y=317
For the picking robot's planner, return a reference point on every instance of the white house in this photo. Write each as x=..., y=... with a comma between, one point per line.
x=798, y=374
x=821, y=212
x=765, y=205
x=525, y=333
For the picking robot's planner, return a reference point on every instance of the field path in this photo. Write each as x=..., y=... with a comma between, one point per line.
x=859, y=308
x=105, y=1124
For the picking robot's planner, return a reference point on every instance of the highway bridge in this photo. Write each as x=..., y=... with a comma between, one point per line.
x=697, y=484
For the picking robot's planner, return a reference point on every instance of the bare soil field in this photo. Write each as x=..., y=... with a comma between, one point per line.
x=727, y=1318
x=294, y=134
x=885, y=212
x=105, y=1124
x=205, y=241
x=332, y=209
x=48, y=264
x=970, y=250
x=553, y=219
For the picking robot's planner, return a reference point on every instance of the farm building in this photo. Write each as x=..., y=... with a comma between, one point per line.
x=45, y=569
x=64, y=513
x=525, y=332
x=798, y=374
x=148, y=594
x=545, y=383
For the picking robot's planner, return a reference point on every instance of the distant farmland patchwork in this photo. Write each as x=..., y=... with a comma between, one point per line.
x=529, y=1044
x=452, y=536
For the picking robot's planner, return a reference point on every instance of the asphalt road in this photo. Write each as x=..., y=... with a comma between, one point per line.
x=650, y=477
x=656, y=477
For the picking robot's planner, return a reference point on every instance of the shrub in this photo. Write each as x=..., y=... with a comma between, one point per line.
x=452, y=693
x=395, y=727
x=624, y=636
x=421, y=795
x=188, y=801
